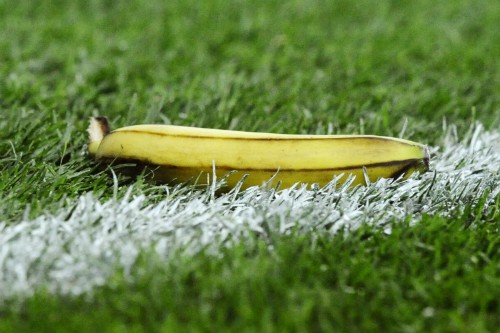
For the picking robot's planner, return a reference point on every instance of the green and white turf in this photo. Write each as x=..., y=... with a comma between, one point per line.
x=82, y=245
x=83, y=250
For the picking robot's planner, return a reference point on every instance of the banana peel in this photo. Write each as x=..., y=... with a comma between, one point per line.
x=178, y=154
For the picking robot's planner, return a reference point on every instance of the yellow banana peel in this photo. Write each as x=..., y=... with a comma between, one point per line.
x=187, y=154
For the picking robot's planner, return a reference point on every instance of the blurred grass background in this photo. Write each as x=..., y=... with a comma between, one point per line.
x=291, y=66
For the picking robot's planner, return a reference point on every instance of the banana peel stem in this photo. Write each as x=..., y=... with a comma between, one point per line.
x=98, y=129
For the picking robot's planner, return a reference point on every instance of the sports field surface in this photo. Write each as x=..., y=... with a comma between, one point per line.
x=90, y=250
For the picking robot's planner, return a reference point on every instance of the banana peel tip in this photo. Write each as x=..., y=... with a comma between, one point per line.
x=97, y=130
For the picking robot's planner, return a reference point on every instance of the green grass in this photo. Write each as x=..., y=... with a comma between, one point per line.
x=437, y=276
x=303, y=66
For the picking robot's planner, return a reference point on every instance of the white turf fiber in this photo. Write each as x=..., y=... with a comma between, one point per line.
x=84, y=243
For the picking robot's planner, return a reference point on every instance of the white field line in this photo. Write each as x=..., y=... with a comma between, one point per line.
x=81, y=246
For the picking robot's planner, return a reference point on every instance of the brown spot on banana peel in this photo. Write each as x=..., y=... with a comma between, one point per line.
x=420, y=165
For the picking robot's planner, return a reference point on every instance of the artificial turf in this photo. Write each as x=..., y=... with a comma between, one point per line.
x=299, y=66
